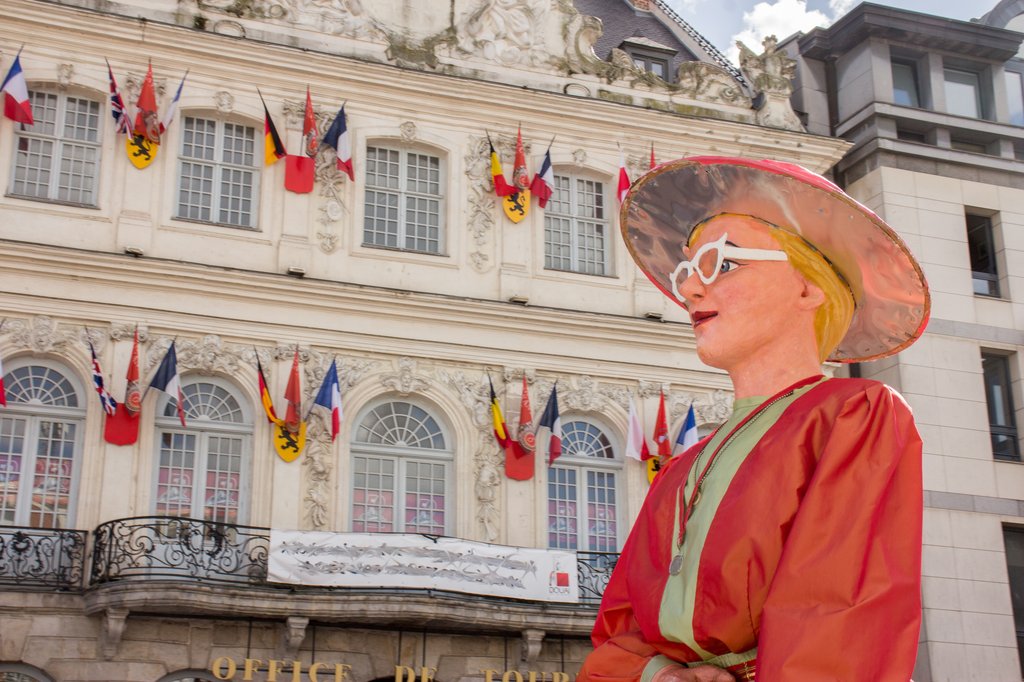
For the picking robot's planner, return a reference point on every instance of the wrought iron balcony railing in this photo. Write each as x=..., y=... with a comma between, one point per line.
x=207, y=551
x=47, y=558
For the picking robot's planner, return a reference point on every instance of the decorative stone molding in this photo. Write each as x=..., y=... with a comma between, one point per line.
x=293, y=632
x=111, y=630
x=331, y=212
x=65, y=74
x=709, y=83
x=579, y=157
x=405, y=381
x=771, y=76
x=133, y=84
x=530, y=648
x=120, y=332
x=208, y=355
x=506, y=33
x=224, y=102
x=42, y=334
x=486, y=486
x=408, y=131
x=481, y=204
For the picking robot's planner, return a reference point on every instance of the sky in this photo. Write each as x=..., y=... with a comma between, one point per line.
x=723, y=22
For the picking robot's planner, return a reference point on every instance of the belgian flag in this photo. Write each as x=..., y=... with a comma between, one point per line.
x=273, y=147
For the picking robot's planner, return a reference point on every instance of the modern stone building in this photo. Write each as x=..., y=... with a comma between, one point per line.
x=933, y=108
x=149, y=561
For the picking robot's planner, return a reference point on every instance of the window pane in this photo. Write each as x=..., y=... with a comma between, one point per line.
x=562, y=508
x=403, y=200
x=1015, y=97
x=12, y=453
x=424, y=498
x=32, y=167
x=176, y=475
x=575, y=227
x=999, y=399
x=217, y=173
x=223, y=479
x=963, y=93
x=1013, y=541
x=981, y=248
x=373, y=495
x=51, y=487
x=602, y=531
x=904, y=84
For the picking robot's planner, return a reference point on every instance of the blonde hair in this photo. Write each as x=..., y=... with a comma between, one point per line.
x=833, y=317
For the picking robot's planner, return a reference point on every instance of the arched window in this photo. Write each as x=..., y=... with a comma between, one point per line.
x=576, y=226
x=402, y=470
x=218, y=175
x=40, y=446
x=203, y=471
x=404, y=207
x=583, y=491
x=57, y=158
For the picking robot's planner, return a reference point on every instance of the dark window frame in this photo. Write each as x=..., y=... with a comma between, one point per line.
x=997, y=377
x=981, y=249
x=912, y=65
x=1016, y=586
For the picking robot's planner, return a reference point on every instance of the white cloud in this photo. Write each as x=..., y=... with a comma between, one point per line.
x=781, y=18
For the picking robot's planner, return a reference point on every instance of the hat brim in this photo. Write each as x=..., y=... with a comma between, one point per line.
x=892, y=303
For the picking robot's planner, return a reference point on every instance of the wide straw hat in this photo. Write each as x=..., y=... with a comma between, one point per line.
x=889, y=289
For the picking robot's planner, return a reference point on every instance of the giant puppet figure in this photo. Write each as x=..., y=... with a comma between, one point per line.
x=786, y=545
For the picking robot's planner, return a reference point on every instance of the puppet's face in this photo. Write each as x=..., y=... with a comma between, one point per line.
x=750, y=306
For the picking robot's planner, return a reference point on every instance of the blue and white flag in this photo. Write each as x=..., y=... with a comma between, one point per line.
x=688, y=435
x=329, y=398
x=168, y=118
x=337, y=139
x=168, y=380
x=552, y=421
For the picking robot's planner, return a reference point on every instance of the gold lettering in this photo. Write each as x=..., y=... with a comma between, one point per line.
x=489, y=674
x=404, y=674
x=296, y=671
x=273, y=668
x=218, y=663
x=312, y=671
x=508, y=675
x=251, y=665
x=426, y=674
x=341, y=671
x=559, y=677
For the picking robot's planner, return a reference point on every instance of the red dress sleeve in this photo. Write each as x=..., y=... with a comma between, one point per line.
x=845, y=602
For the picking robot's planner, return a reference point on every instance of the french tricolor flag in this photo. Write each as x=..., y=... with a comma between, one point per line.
x=543, y=185
x=337, y=138
x=329, y=398
x=168, y=380
x=16, y=103
x=552, y=421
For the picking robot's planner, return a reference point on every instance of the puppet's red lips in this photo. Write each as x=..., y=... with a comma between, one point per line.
x=698, y=317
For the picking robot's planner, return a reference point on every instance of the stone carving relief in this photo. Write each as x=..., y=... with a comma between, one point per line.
x=406, y=380
x=481, y=205
x=224, y=102
x=709, y=83
x=208, y=355
x=120, y=332
x=408, y=131
x=771, y=76
x=133, y=84
x=579, y=157
x=507, y=32
x=65, y=73
x=42, y=334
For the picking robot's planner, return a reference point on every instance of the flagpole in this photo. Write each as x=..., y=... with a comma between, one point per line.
x=551, y=143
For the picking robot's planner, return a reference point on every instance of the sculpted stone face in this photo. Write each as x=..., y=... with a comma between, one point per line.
x=754, y=312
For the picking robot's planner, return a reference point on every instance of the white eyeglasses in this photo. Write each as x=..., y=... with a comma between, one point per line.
x=708, y=260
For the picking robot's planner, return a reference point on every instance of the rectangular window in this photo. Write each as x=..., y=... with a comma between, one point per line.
x=403, y=201
x=57, y=158
x=1015, y=97
x=998, y=395
x=1013, y=541
x=652, y=65
x=982, y=249
x=576, y=227
x=399, y=495
x=963, y=93
x=904, y=84
x=217, y=173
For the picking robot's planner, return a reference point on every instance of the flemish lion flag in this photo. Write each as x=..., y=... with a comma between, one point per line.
x=517, y=204
x=143, y=143
x=290, y=435
x=520, y=466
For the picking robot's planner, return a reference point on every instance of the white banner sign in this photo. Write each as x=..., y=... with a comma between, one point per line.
x=417, y=561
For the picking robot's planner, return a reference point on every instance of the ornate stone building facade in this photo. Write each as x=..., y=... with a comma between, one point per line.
x=148, y=561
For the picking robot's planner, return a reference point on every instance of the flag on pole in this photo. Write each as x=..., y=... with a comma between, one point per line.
x=521, y=466
x=552, y=421
x=132, y=393
x=623, y=178
x=273, y=147
x=653, y=162
x=309, y=136
x=329, y=398
x=636, y=444
x=688, y=435
x=501, y=186
x=293, y=396
x=498, y=422
x=168, y=118
x=17, y=106
x=265, y=399
x=106, y=400
x=147, y=119
x=337, y=138
x=661, y=431
x=122, y=123
x=168, y=380
x=517, y=204
x=3, y=391
x=543, y=185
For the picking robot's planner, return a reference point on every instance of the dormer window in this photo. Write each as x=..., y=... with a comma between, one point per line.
x=650, y=56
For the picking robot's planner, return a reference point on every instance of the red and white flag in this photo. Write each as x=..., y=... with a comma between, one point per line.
x=132, y=393
x=661, y=440
x=3, y=391
x=309, y=134
x=293, y=396
x=623, y=178
x=147, y=118
x=636, y=444
x=17, y=106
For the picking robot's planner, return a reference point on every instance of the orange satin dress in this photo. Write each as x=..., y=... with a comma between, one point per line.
x=811, y=566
